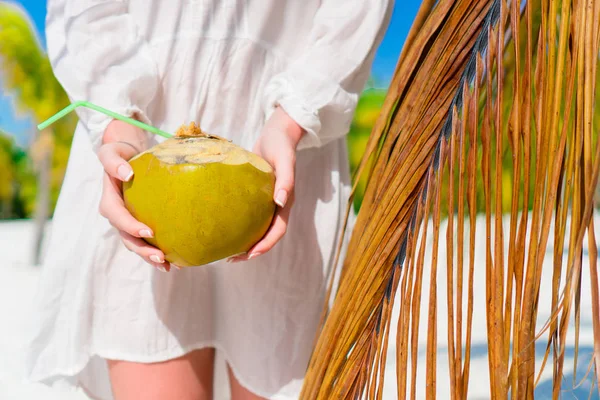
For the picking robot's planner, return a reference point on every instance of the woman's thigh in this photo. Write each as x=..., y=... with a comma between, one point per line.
x=189, y=377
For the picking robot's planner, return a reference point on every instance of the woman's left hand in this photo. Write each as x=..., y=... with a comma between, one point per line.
x=277, y=145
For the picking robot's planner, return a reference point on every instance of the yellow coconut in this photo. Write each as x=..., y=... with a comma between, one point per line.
x=204, y=197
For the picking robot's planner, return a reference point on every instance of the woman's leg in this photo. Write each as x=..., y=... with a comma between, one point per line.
x=186, y=378
x=238, y=392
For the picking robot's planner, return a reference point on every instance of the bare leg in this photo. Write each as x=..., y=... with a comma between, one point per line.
x=238, y=392
x=186, y=378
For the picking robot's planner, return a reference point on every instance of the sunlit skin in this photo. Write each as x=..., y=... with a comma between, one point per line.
x=185, y=378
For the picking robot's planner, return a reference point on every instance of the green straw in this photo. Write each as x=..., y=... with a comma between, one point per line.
x=120, y=117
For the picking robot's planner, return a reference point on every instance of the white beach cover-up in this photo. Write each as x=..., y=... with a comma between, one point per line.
x=225, y=64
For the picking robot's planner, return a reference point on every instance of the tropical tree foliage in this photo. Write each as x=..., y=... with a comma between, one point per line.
x=16, y=179
x=27, y=74
x=367, y=111
x=478, y=83
x=7, y=176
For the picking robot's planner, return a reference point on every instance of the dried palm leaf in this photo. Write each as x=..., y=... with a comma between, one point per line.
x=492, y=109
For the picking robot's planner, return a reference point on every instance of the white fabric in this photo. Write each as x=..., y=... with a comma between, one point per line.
x=225, y=64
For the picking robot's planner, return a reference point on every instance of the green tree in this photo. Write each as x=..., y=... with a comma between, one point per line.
x=7, y=177
x=367, y=112
x=27, y=74
x=17, y=180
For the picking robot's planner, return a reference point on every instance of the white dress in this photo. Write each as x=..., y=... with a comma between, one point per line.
x=224, y=64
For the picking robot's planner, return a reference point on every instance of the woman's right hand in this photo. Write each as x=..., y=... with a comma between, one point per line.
x=122, y=141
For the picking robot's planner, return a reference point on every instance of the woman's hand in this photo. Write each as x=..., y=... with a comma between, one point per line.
x=121, y=142
x=277, y=145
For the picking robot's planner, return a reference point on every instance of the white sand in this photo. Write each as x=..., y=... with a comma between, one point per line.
x=479, y=376
x=17, y=287
x=18, y=280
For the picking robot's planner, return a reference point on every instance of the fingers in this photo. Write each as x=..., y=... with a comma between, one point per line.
x=114, y=156
x=284, y=165
x=130, y=229
x=284, y=178
x=150, y=254
x=274, y=234
x=113, y=208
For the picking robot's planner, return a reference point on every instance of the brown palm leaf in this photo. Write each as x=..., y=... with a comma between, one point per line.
x=491, y=110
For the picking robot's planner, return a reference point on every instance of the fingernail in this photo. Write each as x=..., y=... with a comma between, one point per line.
x=161, y=269
x=254, y=255
x=125, y=172
x=281, y=198
x=177, y=267
x=146, y=233
x=156, y=259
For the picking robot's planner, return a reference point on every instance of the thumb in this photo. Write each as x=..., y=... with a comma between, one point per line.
x=114, y=156
x=284, y=179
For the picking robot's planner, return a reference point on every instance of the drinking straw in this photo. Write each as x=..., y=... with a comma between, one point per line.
x=94, y=107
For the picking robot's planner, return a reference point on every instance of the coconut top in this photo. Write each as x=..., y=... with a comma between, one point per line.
x=193, y=130
x=192, y=146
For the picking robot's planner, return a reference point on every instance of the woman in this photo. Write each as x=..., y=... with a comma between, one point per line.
x=279, y=77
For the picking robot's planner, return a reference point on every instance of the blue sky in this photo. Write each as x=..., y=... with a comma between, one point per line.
x=383, y=67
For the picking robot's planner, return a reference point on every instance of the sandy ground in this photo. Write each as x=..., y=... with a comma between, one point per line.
x=18, y=281
x=17, y=288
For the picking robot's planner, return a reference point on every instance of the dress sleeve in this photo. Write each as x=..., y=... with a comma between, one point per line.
x=98, y=54
x=320, y=89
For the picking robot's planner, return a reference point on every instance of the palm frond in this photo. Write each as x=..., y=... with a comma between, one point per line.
x=478, y=83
